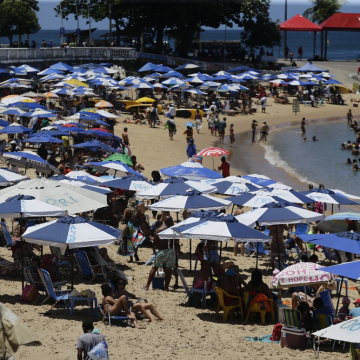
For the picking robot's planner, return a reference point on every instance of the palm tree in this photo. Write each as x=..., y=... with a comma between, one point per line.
x=322, y=10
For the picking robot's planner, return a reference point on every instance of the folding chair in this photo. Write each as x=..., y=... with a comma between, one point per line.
x=329, y=254
x=49, y=288
x=203, y=291
x=5, y=231
x=106, y=315
x=322, y=321
x=86, y=268
x=292, y=317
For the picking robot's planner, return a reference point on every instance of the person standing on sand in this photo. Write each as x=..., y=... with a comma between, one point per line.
x=349, y=117
x=254, y=124
x=232, y=136
x=225, y=167
x=263, y=104
x=222, y=126
x=300, y=53
x=88, y=340
x=125, y=137
x=303, y=123
x=264, y=131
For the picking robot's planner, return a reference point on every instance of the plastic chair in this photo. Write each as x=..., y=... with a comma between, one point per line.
x=300, y=229
x=325, y=295
x=226, y=308
x=203, y=291
x=292, y=317
x=330, y=256
x=9, y=242
x=256, y=308
x=49, y=288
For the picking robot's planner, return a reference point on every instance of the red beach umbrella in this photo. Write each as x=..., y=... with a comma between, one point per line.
x=213, y=151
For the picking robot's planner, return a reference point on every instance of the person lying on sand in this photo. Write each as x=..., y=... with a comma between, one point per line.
x=117, y=307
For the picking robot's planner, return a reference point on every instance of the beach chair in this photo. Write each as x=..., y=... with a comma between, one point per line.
x=203, y=291
x=322, y=321
x=280, y=266
x=221, y=304
x=325, y=296
x=6, y=234
x=250, y=249
x=300, y=229
x=256, y=308
x=329, y=254
x=51, y=292
x=87, y=270
x=292, y=317
x=260, y=249
x=321, y=102
x=106, y=316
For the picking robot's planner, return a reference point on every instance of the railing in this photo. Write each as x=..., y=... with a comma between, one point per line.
x=11, y=55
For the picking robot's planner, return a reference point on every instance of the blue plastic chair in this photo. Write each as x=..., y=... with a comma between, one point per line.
x=9, y=242
x=49, y=288
x=203, y=292
x=301, y=229
x=328, y=256
x=260, y=249
x=338, y=283
x=106, y=315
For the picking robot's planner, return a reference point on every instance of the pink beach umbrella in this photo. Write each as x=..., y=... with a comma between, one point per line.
x=213, y=151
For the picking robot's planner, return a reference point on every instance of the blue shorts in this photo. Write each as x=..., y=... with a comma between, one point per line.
x=214, y=256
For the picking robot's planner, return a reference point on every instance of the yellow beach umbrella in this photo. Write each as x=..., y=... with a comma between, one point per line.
x=77, y=83
x=51, y=95
x=145, y=100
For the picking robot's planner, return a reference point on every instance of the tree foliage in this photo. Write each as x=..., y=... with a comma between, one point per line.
x=181, y=19
x=18, y=18
x=323, y=9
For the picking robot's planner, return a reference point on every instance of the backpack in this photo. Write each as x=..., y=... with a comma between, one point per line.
x=276, y=334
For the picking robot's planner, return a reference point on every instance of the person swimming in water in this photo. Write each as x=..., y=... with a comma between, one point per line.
x=348, y=161
x=305, y=139
x=355, y=165
x=315, y=139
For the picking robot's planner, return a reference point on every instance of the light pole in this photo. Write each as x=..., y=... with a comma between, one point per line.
x=110, y=21
x=88, y=8
x=62, y=27
x=285, y=35
x=78, y=26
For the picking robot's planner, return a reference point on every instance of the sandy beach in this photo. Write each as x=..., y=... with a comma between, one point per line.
x=188, y=332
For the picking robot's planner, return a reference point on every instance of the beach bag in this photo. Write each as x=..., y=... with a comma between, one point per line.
x=276, y=333
x=167, y=114
x=30, y=294
x=99, y=352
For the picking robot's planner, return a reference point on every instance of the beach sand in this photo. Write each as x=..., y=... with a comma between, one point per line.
x=188, y=332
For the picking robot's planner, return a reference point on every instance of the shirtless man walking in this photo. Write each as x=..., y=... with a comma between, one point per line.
x=264, y=131
x=302, y=125
x=254, y=124
x=125, y=137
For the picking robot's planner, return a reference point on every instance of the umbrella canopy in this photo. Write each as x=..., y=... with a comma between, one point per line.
x=222, y=228
x=173, y=81
x=345, y=241
x=191, y=170
x=259, y=179
x=291, y=196
x=347, y=331
x=338, y=222
x=8, y=177
x=113, y=167
x=125, y=159
x=14, y=333
x=39, y=113
x=279, y=186
x=15, y=129
x=332, y=82
x=147, y=67
x=102, y=104
x=302, y=274
x=254, y=200
x=214, y=151
x=73, y=232
x=187, y=67
x=233, y=188
x=3, y=123
x=12, y=111
x=131, y=182
x=94, y=145
x=61, y=66
x=349, y=270
x=173, y=186
x=83, y=176
x=27, y=206
x=191, y=201
x=161, y=68
x=28, y=159
x=277, y=216
x=43, y=138
x=327, y=196
x=189, y=124
x=71, y=198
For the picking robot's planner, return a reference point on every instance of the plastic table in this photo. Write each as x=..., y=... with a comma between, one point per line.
x=71, y=302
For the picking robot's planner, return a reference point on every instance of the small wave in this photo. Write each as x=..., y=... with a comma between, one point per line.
x=274, y=158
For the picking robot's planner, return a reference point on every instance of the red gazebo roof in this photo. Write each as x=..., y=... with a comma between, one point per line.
x=298, y=23
x=342, y=22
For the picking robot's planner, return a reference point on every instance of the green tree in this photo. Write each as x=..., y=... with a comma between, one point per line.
x=17, y=18
x=322, y=10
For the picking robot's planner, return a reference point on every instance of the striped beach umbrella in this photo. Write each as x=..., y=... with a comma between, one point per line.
x=103, y=103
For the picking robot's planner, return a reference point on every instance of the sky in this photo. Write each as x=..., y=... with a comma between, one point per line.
x=48, y=21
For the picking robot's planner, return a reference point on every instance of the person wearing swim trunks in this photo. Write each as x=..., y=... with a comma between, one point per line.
x=303, y=123
x=264, y=131
x=254, y=124
x=165, y=257
x=222, y=126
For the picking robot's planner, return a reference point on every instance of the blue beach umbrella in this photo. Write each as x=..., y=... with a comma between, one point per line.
x=49, y=72
x=188, y=66
x=196, y=91
x=190, y=124
x=233, y=188
x=12, y=111
x=61, y=66
x=147, y=67
x=191, y=170
x=172, y=73
x=191, y=201
x=338, y=222
x=15, y=129
x=162, y=69
x=113, y=167
x=73, y=232
x=130, y=182
x=43, y=138
x=4, y=123
x=175, y=185
x=332, y=82
x=254, y=200
x=349, y=270
x=347, y=241
x=328, y=196
x=95, y=146
x=259, y=179
x=100, y=134
x=221, y=77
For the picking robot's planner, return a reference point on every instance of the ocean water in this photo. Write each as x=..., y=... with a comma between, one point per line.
x=341, y=45
x=315, y=162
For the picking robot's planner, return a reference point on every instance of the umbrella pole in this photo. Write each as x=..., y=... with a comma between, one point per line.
x=220, y=256
x=257, y=254
x=213, y=162
x=277, y=246
x=22, y=255
x=190, y=255
x=332, y=209
x=72, y=269
x=338, y=300
x=232, y=210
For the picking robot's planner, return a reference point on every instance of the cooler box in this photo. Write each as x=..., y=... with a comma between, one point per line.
x=159, y=281
x=197, y=159
x=292, y=337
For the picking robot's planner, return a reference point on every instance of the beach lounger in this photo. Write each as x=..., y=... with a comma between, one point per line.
x=221, y=304
x=49, y=288
x=106, y=316
x=6, y=234
x=7, y=266
x=86, y=268
x=203, y=291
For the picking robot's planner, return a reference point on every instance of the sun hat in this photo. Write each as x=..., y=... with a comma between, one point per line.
x=230, y=272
